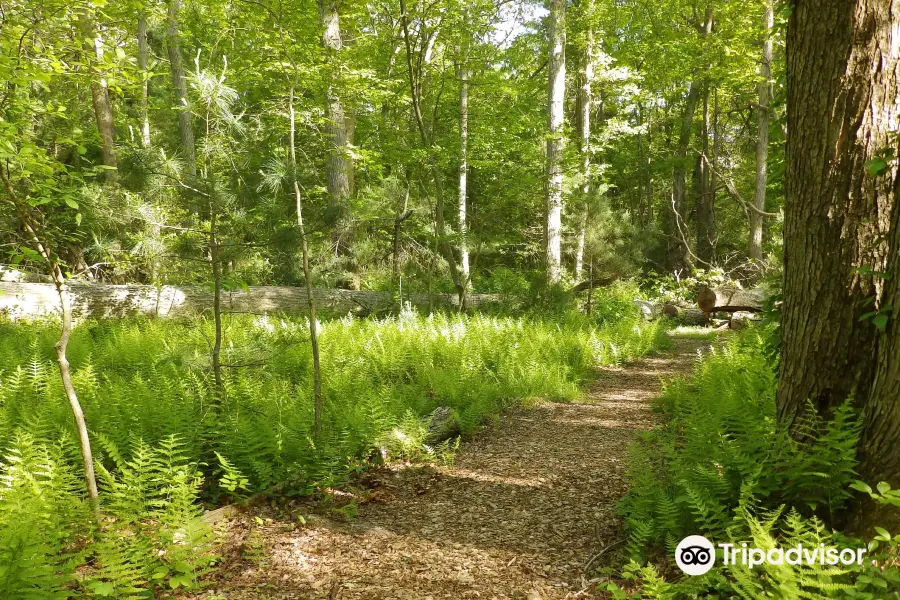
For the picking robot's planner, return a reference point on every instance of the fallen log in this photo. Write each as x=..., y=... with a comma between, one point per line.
x=688, y=316
x=742, y=319
x=596, y=283
x=730, y=299
x=98, y=300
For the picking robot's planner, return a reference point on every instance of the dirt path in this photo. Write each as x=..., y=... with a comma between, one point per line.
x=525, y=505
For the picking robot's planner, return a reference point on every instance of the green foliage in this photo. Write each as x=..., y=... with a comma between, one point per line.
x=150, y=533
x=720, y=468
x=144, y=390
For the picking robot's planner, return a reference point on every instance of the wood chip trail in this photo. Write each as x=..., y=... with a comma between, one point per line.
x=525, y=505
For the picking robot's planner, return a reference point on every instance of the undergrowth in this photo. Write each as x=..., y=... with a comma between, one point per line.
x=165, y=444
x=720, y=468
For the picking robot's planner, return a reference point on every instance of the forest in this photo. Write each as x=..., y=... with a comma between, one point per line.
x=444, y=299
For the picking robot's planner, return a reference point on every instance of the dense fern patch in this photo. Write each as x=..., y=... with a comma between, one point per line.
x=720, y=468
x=163, y=441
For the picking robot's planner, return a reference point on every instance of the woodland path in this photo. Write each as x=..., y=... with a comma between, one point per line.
x=525, y=505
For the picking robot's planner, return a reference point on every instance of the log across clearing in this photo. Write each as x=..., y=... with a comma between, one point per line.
x=730, y=299
x=688, y=316
x=97, y=300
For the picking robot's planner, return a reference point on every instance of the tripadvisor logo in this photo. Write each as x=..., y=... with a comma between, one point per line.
x=695, y=555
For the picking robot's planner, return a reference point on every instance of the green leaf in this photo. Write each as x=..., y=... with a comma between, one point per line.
x=160, y=572
x=876, y=166
x=880, y=322
x=883, y=533
x=103, y=588
x=861, y=486
x=883, y=487
x=183, y=567
x=71, y=202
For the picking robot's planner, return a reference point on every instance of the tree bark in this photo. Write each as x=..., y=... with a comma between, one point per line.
x=556, y=91
x=338, y=165
x=754, y=245
x=179, y=85
x=677, y=255
x=842, y=74
x=705, y=217
x=143, y=62
x=103, y=112
x=583, y=105
x=463, y=175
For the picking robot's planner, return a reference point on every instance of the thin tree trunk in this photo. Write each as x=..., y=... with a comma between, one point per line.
x=556, y=91
x=705, y=216
x=61, y=346
x=677, y=255
x=403, y=213
x=414, y=77
x=307, y=275
x=103, y=112
x=754, y=244
x=179, y=85
x=839, y=219
x=583, y=104
x=65, y=374
x=216, y=261
x=463, y=175
x=143, y=62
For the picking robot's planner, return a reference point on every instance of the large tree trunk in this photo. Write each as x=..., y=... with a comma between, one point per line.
x=338, y=165
x=179, y=85
x=842, y=67
x=103, y=112
x=754, y=245
x=143, y=61
x=556, y=92
x=583, y=105
x=463, y=175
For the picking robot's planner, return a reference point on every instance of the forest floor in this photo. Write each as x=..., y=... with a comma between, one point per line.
x=527, y=503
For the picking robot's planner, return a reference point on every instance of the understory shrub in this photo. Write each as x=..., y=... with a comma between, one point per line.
x=720, y=468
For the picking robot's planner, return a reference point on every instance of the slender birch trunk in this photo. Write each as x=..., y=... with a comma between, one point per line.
x=463, y=176
x=754, y=245
x=556, y=91
x=583, y=102
x=143, y=63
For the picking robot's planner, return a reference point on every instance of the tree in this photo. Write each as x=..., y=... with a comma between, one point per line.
x=583, y=102
x=143, y=62
x=556, y=94
x=338, y=167
x=179, y=85
x=840, y=338
x=754, y=246
x=463, y=70
x=103, y=112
